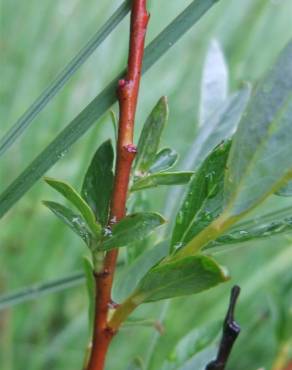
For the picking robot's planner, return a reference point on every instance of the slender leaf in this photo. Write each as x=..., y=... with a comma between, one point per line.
x=214, y=86
x=38, y=290
x=204, y=200
x=220, y=127
x=73, y=220
x=48, y=94
x=164, y=160
x=130, y=277
x=186, y=276
x=261, y=155
x=131, y=229
x=150, y=136
x=98, y=106
x=69, y=193
x=165, y=178
x=98, y=182
x=253, y=231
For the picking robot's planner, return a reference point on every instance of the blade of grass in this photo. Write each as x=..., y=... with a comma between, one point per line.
x=98, y=106
x=47, y=95
x=38, y=290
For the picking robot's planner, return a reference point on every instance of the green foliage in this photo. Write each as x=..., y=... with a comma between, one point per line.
x=131, y=229
x=260, y=159
x=172, y=279
x=75, y=199
x=204, y=200
x=164, y=178
x=98, y=182
x=164, y=160
x=219, y=115
x=90, y=285
x=71, y=219
x=150, y=137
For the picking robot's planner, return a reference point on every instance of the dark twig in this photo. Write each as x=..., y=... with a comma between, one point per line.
x=231, y=331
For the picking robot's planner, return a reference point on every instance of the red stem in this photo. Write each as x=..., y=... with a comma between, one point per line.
x=128, y=90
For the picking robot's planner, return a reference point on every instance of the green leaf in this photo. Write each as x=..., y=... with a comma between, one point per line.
x=260, y=159
x=71, y=219
x=133, y=273
x=90, y=284
x=214, y=86
x=164, y=159
x=74, y=198
x=150, y=137
x=131, y=229
x=219, y=127
x=243, y=233
x=192, y=344
x=286, y=190
x=98, y=182
x=204, y=200
x=70, y=69
x=185, y=276
x=98, y=106
x=165, y=178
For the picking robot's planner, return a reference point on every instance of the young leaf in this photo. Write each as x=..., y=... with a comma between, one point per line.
x=71, y=219
x=165, y=178
x=220, y=127
x=214, y=86
x=131, y=229
x=203, y=202
x=69, y=193
x=164, y=159
x=150, y=136
x=98, y=182
x=260, y=159
x=185, y=276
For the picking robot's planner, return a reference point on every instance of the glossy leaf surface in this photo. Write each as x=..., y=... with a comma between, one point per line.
x=131, y=229
x=165, y=178
x=98, y=182
x=164, y=159
x=203, y=202
x=261, y=155
x=71, y=219
x=74, y=198
x=150, y=136
x=185, y=276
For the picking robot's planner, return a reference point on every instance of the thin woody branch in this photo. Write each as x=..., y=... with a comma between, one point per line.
x=128, y=90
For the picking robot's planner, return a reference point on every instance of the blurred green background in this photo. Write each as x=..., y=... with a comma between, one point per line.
x=37, y=39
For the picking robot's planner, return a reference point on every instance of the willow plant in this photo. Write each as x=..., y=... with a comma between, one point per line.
x=243, y=155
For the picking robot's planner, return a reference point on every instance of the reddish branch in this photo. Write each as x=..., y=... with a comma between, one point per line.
x=128, y=90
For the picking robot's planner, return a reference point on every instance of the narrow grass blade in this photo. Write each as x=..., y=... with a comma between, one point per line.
x=38, y=290
x=98, y=106
x=47, y=95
